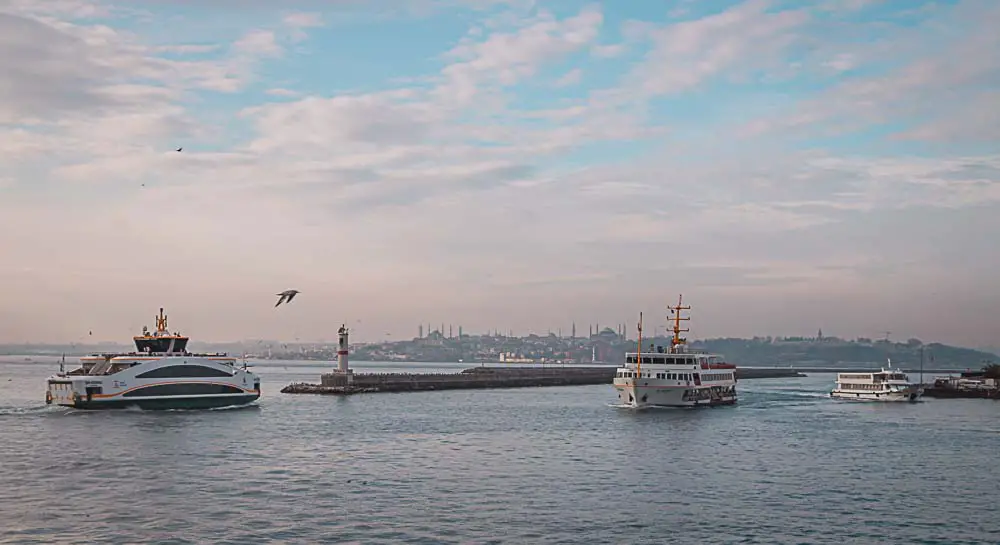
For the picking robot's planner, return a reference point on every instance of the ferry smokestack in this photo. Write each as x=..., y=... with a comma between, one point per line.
x=342, y=350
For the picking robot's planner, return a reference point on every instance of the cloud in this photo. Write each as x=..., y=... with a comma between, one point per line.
x=947, y=77
x=304, y=20
x=471, y=171
x=300, y=21
x=505, y=58
x=186, y=48
x=569, y=78
x=281, y=92
x=607, y=51
x=746, y=37
x=47, y=70
x=258, y=42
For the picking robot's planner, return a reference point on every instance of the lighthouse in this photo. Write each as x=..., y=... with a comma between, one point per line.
x=342, y=349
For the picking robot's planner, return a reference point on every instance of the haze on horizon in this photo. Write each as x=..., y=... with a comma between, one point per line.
x=511, y=164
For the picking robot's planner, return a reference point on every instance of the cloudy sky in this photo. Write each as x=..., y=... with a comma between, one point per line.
x=514, y=164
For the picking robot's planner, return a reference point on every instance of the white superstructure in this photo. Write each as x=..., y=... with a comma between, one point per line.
x=676, y=376
x=161, y=374
x=887, y=384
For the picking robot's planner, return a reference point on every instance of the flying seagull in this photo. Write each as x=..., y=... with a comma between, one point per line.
x=286, y=296
x=180, y=148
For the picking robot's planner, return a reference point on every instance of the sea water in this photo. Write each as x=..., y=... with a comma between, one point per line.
x=530, y=465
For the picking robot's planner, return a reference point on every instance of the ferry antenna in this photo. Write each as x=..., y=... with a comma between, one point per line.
x=676, y=311
x=161, y=321
x=638, y=353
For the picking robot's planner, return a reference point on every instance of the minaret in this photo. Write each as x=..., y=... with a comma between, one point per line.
x=420, y=331
x=450, y=331
x=573, y=334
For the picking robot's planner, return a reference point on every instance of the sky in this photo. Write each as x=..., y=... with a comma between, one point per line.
x=510, y=164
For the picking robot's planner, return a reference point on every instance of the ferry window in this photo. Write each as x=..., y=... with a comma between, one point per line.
x=630, y=359
x=177, y=371
x=183, y=389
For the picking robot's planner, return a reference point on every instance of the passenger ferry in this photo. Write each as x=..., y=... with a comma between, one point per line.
x=160, y=374
x=676, y=376
x=887, y=384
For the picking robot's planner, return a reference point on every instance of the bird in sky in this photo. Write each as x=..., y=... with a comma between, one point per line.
x=286, y=296
x=180, y=148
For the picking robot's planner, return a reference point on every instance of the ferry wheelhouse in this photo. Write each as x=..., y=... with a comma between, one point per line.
x=160, y=374
x=675, y=376
x=887, y=384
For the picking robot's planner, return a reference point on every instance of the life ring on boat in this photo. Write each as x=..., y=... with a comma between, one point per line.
x=48, y=397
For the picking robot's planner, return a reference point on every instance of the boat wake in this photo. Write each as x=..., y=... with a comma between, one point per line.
x=58, y=409
x=626, y=406
x=28, y=411
x=795, y=393
x=247, y=406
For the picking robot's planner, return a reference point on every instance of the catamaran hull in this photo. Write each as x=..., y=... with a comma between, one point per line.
x=149, y=404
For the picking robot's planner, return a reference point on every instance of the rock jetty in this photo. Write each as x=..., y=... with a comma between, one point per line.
x=338, y=383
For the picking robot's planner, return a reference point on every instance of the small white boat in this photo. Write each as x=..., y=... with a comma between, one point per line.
x=887, y=384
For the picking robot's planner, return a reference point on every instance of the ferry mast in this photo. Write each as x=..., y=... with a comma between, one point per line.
x=677, y=341
x=638, y=353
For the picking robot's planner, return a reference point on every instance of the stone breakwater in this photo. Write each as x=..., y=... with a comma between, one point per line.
x=481, y=377
x=961, y=393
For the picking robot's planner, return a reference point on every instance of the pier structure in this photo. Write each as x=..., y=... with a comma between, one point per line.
x=483, y=377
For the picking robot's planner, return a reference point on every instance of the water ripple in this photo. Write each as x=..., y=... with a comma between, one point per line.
x=546, y=465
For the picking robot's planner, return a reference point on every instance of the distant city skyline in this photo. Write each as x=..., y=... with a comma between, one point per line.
x=454, y=331
x=499, y=164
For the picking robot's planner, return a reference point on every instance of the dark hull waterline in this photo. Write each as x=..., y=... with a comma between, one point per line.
x=206, y=402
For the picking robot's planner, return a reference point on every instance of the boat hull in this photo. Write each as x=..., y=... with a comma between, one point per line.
x=172, y=403
x=882, y=397
x=652, y=396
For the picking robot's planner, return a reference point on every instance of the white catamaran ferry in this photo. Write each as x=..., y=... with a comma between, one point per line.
x=887, y=384
x=161, y=374
x=675, y=377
